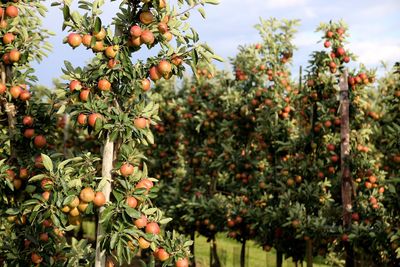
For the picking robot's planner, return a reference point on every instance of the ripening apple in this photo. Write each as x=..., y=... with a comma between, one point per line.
x=146, y=85
x=135, y=31
x=36, y=258
x=93, y=118
x=161, y=254
x=334, y=158
x=15, y=55
x=82, y=119
x=147, y=37
x=182, y=262
x=330, y=147
x=112, y=63
x=126, y=169
x=176, y=60
x=154, y=73
x=131, y=202
x=143, y=243
x=84, y=95
x=87, y=40
x=340, y=51
x=145, y=183
x=74, y=39
x=25, y=95
x=40, y=141
x=3, y=24
x=329, y=34
x=27, y=121
x=8, y=38
x=140, y=123
x=100, y=35
x=162, y=4
x=340, y=30
x=6, y=58
x=164, y=67
x=23, y=173
x=111, y=51
x=146, y=17
x=98, y=46
x=3, y=88
x=44, y=237
x=74, y=212
x=162, y=27
x=46, y=195
x=11, y=11
x=29, y=133
x=168, y=36
x=82, y=206
x=141, y=222
x=87, y=194
x=75, y=85
x=99, y=199
x=104, y=85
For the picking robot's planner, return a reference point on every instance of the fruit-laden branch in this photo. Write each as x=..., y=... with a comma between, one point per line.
x=9, y=108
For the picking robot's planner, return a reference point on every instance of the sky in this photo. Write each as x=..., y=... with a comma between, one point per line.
x=374, y=30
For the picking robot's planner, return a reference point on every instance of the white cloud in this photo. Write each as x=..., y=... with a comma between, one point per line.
x=381, y=10
x=306, y=38
x=285, y=3
x=263, y=4
x=373, y=52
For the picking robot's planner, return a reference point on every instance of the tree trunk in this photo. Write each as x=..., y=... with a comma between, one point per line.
x=309, y=253
x=347, y=183
x=243, y=254
x=9, y=108
x=215, y=259
x=107, y=166
x=279, y=258
x=193, y=237
x=66, y=131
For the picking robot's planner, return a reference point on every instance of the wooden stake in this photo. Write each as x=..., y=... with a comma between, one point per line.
x=347, y=183
x=107, y=166
x=243, y=253
x=9, y=108
x=309, y=253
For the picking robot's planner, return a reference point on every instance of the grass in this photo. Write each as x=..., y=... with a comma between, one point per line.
x=229, y=254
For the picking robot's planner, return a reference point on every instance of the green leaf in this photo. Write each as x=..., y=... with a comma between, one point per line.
x=212, y=2
x=48, y=164
x=38, y=177
x=133, y=213
x=12, y=211
x=202, y=12
x=97, y=25
x=66, y=12
x=165, y=221
x=150, y=211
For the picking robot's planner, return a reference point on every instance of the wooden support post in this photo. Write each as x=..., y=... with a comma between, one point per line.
x=279, y=258
x=309, y=253
x=9, y=108
x=192, y=248
x=107, y=166
x=243, y=254
x=347, y=183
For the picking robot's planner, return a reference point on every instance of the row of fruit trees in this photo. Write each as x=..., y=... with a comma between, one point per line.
x=258, y=155
x=279, y=158
x=75, y=154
